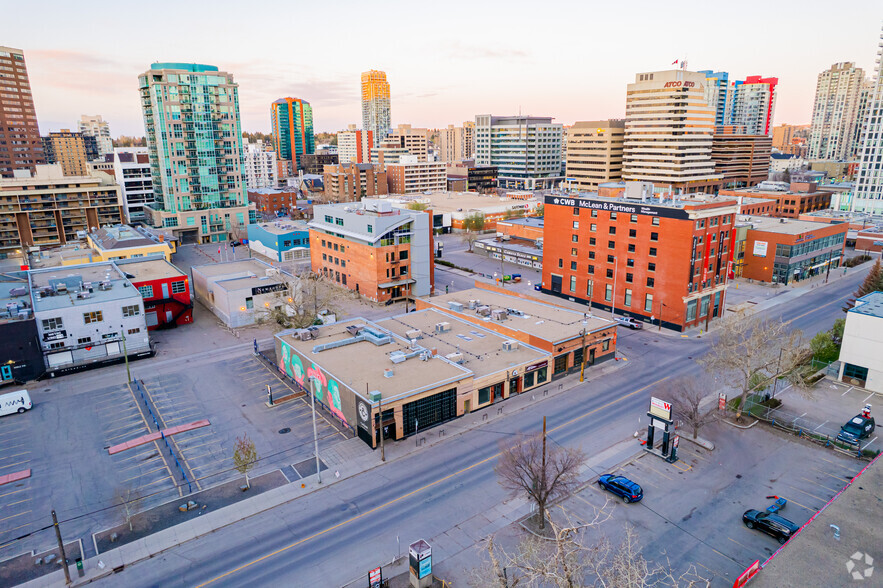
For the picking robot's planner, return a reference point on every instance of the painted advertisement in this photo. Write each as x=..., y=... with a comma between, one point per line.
x=760, y=248
x=326, y=390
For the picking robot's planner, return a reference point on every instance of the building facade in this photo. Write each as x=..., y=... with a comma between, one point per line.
x=784, y=136
x=868, y=195
x=260, y=166
x=414, y=141
x=194, y=140
x=281, y=240
x=23, y=147
x=862, y=346
x=273, y=201
x=659, y=261
x=354, y=181
x=594, y=153
x=790, y=200
x=411, y=175
x=457, y=143
x=292, y=122
x=68, y=149
x=742, y=159
x=835, y=132
x=754, y=105
x=370, y=247
x=97, y=127
x=668, y=131
x=376, y=117
x=21, y=357
x=526, y=150
x=354, y=146
x=51, y=208
x=165, y=290
x=131, y=169
x=113, y=243
x=719, y=95
x=314, y=163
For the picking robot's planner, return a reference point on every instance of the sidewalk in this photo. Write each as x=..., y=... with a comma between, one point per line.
x=345, y=460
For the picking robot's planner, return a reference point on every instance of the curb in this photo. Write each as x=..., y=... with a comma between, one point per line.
x=732, y=424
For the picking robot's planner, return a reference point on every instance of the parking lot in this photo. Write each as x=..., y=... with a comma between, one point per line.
x=692, y=510
x=16, y=499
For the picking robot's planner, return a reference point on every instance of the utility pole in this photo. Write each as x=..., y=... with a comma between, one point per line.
x=582, y=368
x=126, y=355
x=543, y=474
x=315, y=382
x=67, y=573
x=379, y=422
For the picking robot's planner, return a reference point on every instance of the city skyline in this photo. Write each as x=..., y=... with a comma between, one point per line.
x=435, y=81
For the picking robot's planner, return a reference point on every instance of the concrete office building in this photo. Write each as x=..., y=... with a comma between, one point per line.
x=868, y=194
x=51, y=208
x=280, y=240
x=389, y=151
x=314, y=163
x=411, y=175
x=354, y=145
x=191, y=120
x=376, y=116
x=97, y=127
x=835, y=132
x=741, y=158
x=131, y=169
x=68, y=149
x=754, y=105
x=370, y=247
x=526, y=150
x=292, y=122
x=23, y=147
x=86, y=315
x=354, y=181
x=415, y=141
x=457, y=143
x=862, y=349
x=594, y=153
x=719, y=95
x=668, y=131
x=260, y=168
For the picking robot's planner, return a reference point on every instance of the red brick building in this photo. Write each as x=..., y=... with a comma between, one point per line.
x=273, y=201
x=657, y=261
x=800, y=198
x=165, y=290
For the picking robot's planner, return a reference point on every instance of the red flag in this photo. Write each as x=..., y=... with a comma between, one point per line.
x=219, y=249
x=675, y=62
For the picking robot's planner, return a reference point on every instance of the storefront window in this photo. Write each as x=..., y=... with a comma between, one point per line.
x=560, y=363
x=528, y=379
x=542, y=375
x=691, y=311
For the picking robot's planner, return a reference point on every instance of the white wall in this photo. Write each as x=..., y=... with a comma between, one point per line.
x=863, y=346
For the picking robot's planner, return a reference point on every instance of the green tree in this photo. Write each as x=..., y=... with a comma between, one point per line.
x=418, y=206
x=514, y=213
x=873, y=283
x=837, y=330
x=245, y=456
x=824, y=348
x=540, y=210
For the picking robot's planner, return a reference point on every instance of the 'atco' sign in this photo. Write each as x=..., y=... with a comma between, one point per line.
x=679, y=84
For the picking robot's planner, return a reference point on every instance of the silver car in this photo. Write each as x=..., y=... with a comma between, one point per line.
x=627, y=321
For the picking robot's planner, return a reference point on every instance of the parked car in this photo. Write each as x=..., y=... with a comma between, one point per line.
x=859, y=427
x=770, y=523
x=12, y=402
x=627, y=321
x=622, y=487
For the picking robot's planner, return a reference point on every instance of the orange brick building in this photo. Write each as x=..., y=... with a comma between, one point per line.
x=529, y=229
x=272, y=201
x=800, y=198
x=383, y=253
x=657, y=261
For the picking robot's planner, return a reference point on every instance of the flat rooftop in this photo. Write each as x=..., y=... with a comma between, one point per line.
x=121, y=237
x=74, y=279
x=284, y=227
x=13, y=288
x=546, y=321
x=531, y=221
x=143, y=270
x=72, y=252
x=680, y=202
x=482, y=349
x=226, y=268
x=517, y=244
x=783, y=226
x=361, y=364
x=457, y=201
x=870, y=305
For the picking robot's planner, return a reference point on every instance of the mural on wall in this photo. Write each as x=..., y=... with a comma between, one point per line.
x=327, y=391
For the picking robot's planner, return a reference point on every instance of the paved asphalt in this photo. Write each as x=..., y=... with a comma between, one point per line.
x=329, y=537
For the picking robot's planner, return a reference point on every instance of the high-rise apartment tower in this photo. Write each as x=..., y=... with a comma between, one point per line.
x=18, y=119
x=836, y=128
x=868, y=195
x=375, y=105
x=292, y=120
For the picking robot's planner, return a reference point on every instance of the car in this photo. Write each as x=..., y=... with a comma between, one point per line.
x=622, y=487
x=859, y=427
x=627, y=321
x=770, y=523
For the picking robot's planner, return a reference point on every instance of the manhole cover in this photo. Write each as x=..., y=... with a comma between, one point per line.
x=285, y=430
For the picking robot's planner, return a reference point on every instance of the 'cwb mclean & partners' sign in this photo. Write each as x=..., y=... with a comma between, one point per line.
x=618, y=207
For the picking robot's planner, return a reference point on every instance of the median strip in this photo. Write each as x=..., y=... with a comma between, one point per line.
x=144, y=439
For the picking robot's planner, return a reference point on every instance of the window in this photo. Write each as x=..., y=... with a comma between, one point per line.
x=574, y=238
x=342, y=263
x=134, y=331
x=560, y=263
x=329, y=219
x=573, y=283
x=573, y=265
x=651, y=282
x=146, y=291
x=648, y=302
x=629, y=278
x=703, y=308
x=591, y=269
x=576, y=210
x=654, y=236
x=611, y=244
x=95, y=316
x=855, y=371
x=84, y=340
x=179, y=287
x=633, y=218
x=633, y=233
x=573, y=251
x=611, y=259
x=631, y=247
x=612, y=216
x=651, y=267
x=343, y=279
x=630, y=262
x=335, y=247
x=403, y=255
x=608, y=292
x=628, y=297
x=691, y=311
x=591, y=255
x=609, y=273
x=52, y=324
x=403, y=271
x=324, y=257
x=612, y=230
x=590, y=285
x=575, y=224
x=370, y=228
x=129, y=311
x=594, y=213
x=593, y=226
x=655, y=221
x=605, y=345
x=249, y=303
x=591, y=240
x=56, y=345
x=653, y=252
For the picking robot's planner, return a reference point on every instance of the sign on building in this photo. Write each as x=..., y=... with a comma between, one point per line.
x=760, y=248
x=660, y=408
x=420, y=556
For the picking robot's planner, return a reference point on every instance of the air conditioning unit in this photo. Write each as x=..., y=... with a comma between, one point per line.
x=455, y=306
x=414, y=334
x=473, y=304
x=455, y=357
x=104, y=285
x=510, y=345
x=397, y=357
x=442, y=327
x=499, y=314
x=483, y=311
x=388, y=373
x=304, y=335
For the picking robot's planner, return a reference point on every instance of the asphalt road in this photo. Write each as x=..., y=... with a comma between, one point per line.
x=329, y=537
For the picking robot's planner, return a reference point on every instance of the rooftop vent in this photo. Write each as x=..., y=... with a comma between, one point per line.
x=414, y=334
x=473, y=304
x=388, y=373
x=442, y=327
x=483, y=311
x=510, y=345
x=455, y=357
x=499, y=314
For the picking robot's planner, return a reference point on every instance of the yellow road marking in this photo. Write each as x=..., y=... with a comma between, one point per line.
x=802, y=505
x=838, y=478
x=741, y=545
x=14, y=464
x=822, y=485
x=416, y=491
x=142, y=474
x=815, y=309
x=15, y=492
x=689, y=467
x=15, y=515
x=19, y=502
x=808, y=494
x=15, y=455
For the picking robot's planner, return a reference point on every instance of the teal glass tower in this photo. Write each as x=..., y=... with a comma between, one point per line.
x=292, y=121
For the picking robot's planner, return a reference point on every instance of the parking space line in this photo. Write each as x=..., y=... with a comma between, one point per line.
x=749, y=549
x=209, y=433
x=596, y=508
x=713, y=572
x=820, y=426
x=14, y=492
x=847, y=391
x=204, y=466
x=807, y=493
x=163, y=479
x=189, y=448
x=142, y=464
x=688, y=468
x=137, y=455
x=652, y=469
x=142, y=474
x=19, y=502
x=803, y=505
x=14, y=464
x=188, y=416
x=868, y=396
x=126, y=426
x=840, y=479
x=869, y=442
x=201, y=455
x=15, y=515
x=821, y=485
x=126, y=434
x=15, y=455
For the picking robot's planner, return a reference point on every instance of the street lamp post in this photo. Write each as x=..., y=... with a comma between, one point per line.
x=613, y=301
x=315, y=382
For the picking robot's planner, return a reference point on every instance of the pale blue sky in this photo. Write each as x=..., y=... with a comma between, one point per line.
x=445, y=61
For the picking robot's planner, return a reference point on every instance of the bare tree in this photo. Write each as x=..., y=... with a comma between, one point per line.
x=473, y=225
x=752, y=352
x=686, y=394
x=544, y=474
x=298, y=305
x=245, y=456
x=128, y=498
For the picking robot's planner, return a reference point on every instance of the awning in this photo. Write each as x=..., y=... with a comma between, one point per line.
x=396, y=283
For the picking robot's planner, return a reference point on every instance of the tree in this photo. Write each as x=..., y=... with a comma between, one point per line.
x=824, y=348
x=540, y=210
x=873, y=283
x=686, y=395
x=837, y=331
x=751, y=352
x=245, y=456
x=513, y=213
x=127, y=498
x=473, y=225
x=298, y=305
x=544, y=474
x=418, y=206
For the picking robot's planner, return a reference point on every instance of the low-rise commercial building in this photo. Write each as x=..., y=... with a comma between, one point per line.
x=783, y=251
x=281, y=240
x=792, y=199
x=21, y=358
x=87, y=315
x=240, y=292
x=451, y=209
x=515, y=251
x=273, y=201
x=370, y=247
x=164, y=288
x=569, y=336
x=353, y=181
x=662, y=261
x=527, y=229
x=410, y=176
x=111, y=243
x=469, y=177
x=870, y=239
x=861, y=354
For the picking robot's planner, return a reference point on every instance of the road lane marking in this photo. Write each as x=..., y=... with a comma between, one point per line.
x=416, y=491
x=823, y=500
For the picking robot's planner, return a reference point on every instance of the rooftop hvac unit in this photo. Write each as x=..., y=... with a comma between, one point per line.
x=353, y=330
x=455, y=357
x=510, y=345
x=272, y=272
x=499, y=314
x=106, y=285
x=18, y=292
x=83, y=295
x=397, y=357
x=61, y=287
x=514, y=312
x=483, y=311
x=374, y=395
x=304, y=335
x=388, y=373
x=414, y=334
x=442, y=327
x=473, y=304
x=455, y=306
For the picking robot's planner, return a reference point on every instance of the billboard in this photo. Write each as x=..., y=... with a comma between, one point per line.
x=760, y=248
x=638, y=208
x=660, y=408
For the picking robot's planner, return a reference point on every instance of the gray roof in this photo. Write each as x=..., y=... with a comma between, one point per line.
x=869, y=305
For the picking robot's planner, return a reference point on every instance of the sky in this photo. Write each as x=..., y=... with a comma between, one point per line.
x=445, y=61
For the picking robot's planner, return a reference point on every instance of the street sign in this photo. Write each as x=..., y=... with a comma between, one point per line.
x=721, y=401
x=660, y=408
x=375, y=577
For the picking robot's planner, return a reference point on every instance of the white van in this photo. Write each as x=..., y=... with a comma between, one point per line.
x=18, y=401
